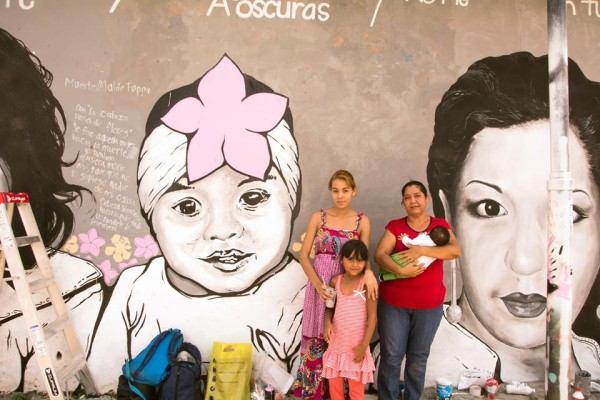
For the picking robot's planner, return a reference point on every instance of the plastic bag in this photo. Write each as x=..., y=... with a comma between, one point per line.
x=229, y=371
x=472, y=377
x=272, y=374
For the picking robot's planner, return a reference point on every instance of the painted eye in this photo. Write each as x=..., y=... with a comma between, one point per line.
x=253, y=198
x=486, y=209
x=188, y=207
x=578, y=214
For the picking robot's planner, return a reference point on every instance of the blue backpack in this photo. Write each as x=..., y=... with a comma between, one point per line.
x=151, y=366
x=185, y=377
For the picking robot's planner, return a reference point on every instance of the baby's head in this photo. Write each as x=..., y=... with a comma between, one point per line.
x=440, y=235
x=218, y=178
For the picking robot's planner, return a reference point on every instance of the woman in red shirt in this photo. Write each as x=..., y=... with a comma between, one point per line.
x=410, y=309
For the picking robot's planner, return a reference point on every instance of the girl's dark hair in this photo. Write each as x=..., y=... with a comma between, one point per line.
x=32, y=128
x=355, y=249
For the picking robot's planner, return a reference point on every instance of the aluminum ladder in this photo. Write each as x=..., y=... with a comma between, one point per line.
x=10, y=259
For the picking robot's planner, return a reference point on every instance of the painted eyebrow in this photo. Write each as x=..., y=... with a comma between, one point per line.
x=177, y=186
x=252, y=179
x=582, y=191
x=496, y=188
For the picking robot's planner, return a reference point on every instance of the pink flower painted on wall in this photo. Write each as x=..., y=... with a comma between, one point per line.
x=127, y=264
x=91, y=242
x=145, y=247
x=108, y=273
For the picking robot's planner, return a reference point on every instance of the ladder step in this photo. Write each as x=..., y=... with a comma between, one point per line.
x=70, y=370
x=55, y=326
x=25, y=241
x=40, y=284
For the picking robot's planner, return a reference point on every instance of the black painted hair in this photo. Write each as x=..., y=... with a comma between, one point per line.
x=32, y=128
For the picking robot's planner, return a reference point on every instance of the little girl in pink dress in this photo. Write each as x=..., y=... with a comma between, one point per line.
x=348, y=328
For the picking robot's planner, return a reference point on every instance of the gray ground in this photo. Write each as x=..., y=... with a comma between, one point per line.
x=429, y=394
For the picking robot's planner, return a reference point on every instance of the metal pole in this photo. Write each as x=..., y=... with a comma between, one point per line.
x=560, y=205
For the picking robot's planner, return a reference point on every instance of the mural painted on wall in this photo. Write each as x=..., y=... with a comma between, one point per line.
x=498, y=207
x=32, y=125
x=220, y=198
x=154, y=223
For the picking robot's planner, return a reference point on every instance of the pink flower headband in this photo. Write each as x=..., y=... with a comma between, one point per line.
x=227, y=126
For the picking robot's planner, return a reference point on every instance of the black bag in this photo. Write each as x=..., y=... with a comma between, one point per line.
x=124, y=391
x=185, y=376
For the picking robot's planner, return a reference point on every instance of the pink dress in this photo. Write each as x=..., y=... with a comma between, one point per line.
x=328, y=244
x=349, y=326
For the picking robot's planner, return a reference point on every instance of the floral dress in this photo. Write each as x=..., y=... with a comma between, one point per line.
x=328, y=244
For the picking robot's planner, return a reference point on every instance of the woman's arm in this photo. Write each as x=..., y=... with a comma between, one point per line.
x=449, y=251
x=307, y=266
x=386, y=246
x=370, y=281
x=361, y=349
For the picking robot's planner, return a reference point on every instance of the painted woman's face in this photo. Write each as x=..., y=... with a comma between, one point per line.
x=226, y=230
x=500, y=221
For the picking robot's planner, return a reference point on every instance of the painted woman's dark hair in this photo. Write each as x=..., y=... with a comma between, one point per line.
x=504, y=91
x=32, y=127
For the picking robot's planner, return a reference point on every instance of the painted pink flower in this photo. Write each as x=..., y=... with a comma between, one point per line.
x=91, y=242
x=227, y=127
x=127, y=264
x=145, y=247
x=108, y=273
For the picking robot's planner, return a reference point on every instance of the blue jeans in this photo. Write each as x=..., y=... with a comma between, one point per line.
x=404, y=332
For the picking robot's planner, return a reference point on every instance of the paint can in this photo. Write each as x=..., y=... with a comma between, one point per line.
x=475, y=390
x=583, y=380
x=443, y=388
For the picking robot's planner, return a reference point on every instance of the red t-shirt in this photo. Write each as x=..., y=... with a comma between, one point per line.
x=423, y=291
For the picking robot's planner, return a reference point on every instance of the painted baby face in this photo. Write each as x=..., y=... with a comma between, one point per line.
x=225, y=231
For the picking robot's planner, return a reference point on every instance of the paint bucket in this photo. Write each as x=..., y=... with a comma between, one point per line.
x=475, y=390
x=583, y=380
x=443, y=388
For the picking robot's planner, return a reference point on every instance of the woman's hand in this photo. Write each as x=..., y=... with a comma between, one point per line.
x=324, y=294
x=370, y=284
x=408, y=264
x=413, y=253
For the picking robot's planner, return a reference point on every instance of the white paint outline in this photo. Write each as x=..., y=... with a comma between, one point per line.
x=114, y=6
x=375, y=13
